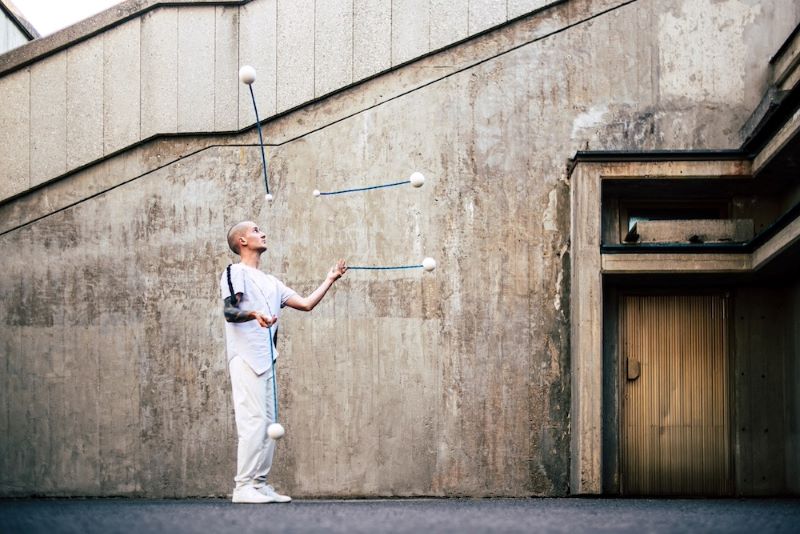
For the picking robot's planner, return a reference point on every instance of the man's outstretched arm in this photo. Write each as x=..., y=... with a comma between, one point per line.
x=308, y=303
x=234, y=315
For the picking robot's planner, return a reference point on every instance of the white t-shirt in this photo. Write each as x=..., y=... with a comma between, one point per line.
x=263, y=293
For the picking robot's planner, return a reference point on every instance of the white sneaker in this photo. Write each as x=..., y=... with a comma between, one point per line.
x=273, y=496
x=249, y=495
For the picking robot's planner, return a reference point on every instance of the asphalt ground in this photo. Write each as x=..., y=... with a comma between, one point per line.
x=406, y=515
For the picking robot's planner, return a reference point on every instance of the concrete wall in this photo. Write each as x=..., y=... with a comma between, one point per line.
x=173, y=70
x=762, y=353
x=792, y=385
x=767, y=400
x=401, y=383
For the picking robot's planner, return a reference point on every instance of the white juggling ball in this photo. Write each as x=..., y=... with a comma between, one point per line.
x=247, y=74
x=268, y=197
x=275, y=431
x=429, y=264
x=417, y=179
x=316, y=192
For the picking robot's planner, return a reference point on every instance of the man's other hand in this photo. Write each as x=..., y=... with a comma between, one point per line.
x=265, y=321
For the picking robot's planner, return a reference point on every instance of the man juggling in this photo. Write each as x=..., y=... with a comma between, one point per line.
x=253, y=302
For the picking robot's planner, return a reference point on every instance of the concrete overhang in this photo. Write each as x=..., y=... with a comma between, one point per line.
x=746, y=258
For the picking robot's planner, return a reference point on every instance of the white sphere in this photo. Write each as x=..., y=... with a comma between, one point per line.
x=247, y=74
x=316, y=192
x=275, y=431
x=268, y=197
x=417, y=179
x=429, y=264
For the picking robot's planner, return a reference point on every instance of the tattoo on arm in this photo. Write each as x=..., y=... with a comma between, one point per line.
x=232, y=312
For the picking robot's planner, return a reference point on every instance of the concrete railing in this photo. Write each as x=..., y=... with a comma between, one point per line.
x=148, y=68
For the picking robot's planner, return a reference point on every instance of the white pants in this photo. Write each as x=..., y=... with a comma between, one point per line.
x=252, y=404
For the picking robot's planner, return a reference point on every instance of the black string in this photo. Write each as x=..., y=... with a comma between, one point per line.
x=230, y=286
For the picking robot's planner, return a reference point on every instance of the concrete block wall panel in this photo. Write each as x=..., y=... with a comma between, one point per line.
x=226, y=68
x=48, y=118
x=121, y=86
x=410, y=29
x=333, y=45
x=793, y=393
x=483, y=14
x=257, y=47
x=159, y=72
x=759, y=400
x=15, y=135
x=449, y=22
x=295, y=52
x=196, y=43
x=372, y=37
x=84, y=103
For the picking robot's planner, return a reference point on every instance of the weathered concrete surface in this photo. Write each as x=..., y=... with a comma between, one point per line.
x=766, y=407
x=586, y=327
x=48, y=118
x=258, y=25
x=16, y=87
x=121, y=86
x=333, y=45
x=792, y=385
x=372, y=37
x=84, y=103
x=171, y=68
x=455, y=383
x=159, y=72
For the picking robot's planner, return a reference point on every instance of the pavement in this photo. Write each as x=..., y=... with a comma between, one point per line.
x=427, y=516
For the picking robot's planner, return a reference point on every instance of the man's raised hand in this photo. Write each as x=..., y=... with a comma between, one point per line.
x=337, y=270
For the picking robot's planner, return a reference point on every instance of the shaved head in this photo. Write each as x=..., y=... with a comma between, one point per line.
x=238, y=230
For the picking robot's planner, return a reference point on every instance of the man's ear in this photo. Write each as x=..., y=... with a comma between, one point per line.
x=242, y=241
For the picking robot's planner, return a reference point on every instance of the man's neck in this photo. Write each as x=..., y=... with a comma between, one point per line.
x=251, y=258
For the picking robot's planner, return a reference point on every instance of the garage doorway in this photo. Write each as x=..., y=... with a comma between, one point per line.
x=675, y=394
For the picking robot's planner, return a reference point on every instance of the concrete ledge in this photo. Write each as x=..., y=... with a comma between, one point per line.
x=692, y=231
x=688, y=262
x=667, y=165
x=769, y=105
x=788, y=236
x=675, y=263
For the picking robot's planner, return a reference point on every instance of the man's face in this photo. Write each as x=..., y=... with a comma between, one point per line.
x=256, y=239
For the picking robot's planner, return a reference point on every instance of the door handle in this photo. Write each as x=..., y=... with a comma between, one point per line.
x=632, y=368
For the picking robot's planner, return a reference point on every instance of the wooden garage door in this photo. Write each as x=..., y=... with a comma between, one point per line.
x=675, y=434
